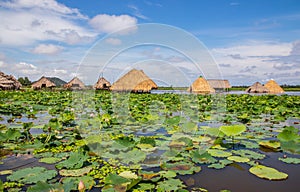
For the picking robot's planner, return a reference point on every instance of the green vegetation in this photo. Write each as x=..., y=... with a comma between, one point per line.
x=141, y=142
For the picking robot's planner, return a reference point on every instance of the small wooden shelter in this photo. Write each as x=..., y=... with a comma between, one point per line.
x=219, y=84
x=134, y=81
x=8, y=82
x=257, y=88
x=48, y=82
x=75, y=83
x=200, y=85
x=273, y=87
x=102, y=84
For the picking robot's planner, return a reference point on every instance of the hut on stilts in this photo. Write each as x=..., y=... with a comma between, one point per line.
x=102, y=84
x=8, y=82
x=257, y=88
x=48, y=82
x=74, y=84
x=201, y=86
x=134, y=81
x=273, y=87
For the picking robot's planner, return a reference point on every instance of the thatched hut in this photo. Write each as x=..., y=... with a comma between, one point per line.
x=48, y=82
x=219, y=84
x=273, y=87
x=200, y=85
x=8, y=82
x=134, y=81
x=102, y=84
x=257, y=88
x=75, y=83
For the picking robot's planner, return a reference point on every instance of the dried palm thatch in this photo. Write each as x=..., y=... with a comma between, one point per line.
x=47, y=82
x=219, y=84
x=75, y=83
x=102, y=83
x=8, y=82
x=200, y=85
x=273, y=87
x=257, y=88
x=134, y=81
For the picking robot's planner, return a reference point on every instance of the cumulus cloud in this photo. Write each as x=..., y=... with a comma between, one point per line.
x=104, y=23
x=113, y=41
x=27, y=21
x=25, y=69
x=48, y=49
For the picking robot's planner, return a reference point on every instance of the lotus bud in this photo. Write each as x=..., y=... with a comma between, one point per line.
x=81, y=186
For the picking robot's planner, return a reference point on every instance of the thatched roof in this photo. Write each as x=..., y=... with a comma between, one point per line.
x=200, y=85
x=75, y=83
x=257, y=88
x=102, y=83
x=49, y=82
x=219, y=83
x=8, y=82
x=134, y=81
x=273, y=87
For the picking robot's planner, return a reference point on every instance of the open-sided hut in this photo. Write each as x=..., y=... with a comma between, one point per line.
x=75, y=83
x=134, y=81
x=102, y=84
x=219, y=84
x=257, y=88
x=8, y=82
x=48, y=82
x=273, y=87
x=200, y=85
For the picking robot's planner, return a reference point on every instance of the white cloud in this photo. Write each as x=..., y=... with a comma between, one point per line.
x=23, y=23
x=113, y=41
x=25, y=69
x=104, y=23
x=47, y=49
x=51, y=5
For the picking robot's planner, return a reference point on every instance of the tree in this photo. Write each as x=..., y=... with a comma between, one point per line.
x=24, y=81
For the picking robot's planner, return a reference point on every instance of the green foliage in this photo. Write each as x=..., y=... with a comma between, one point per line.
x=289, y=133
x=290, y=160
x=32, y=175
x=75, y=161
x=169, y=185
x=267, y=173
x=233, y=130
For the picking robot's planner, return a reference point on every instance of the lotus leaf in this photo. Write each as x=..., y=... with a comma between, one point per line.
x=42, y=186
x=215, y=132
x=233, y=130
x=75, y=172
x=290, y=160
x=145, y=187
x=50, y=160
x=32, y=175
x=267, y=173
x=270, y=144
x=189, y=127
x=6, y=172
x=133, y=156
x=182, y=168
x=221, y=164
x=238, y=159
x=291, y=146
x=202, y=158
x=75, y=161
x=169, y=185
x=289, y=133
x=219, y=153
x=249, y=154
x=148, y=175
x=167, y=174
x=128, y=175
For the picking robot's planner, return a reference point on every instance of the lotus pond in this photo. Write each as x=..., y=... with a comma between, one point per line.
x=103, y=141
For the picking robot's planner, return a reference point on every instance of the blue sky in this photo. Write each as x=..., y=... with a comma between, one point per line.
x=248, y=40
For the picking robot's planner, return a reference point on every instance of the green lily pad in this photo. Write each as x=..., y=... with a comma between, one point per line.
x=145, y=187
x=32, y=175
x=249, y=154
x=232, y=130
x=42, y=186
x=270, y=144
x=182, y=168
x=6, y=172
x=128, y=175
x=72, y=182
x=238, y=159
x=219, y=153
x=75, y=172
x=290, y=160
x=269, y=173
x=168, y=174
x=289, y=133
x=202, y=158
x=169, y=185
x=75, y=161
x=50, y=160
x=221, y=164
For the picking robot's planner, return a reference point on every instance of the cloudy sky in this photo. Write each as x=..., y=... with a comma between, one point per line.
x=245, y=41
